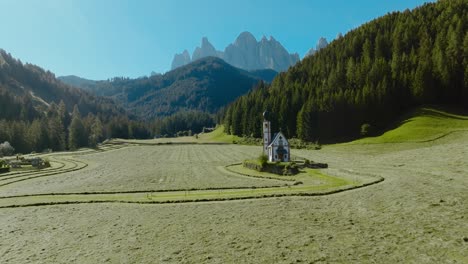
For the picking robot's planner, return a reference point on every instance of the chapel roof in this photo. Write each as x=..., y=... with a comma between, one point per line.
x=276, y=135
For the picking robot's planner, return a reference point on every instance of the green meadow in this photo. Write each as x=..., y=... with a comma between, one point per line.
x=398, y=197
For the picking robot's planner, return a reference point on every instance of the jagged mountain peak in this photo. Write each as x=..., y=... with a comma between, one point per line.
x=206, y=50
x=245, y=37
x=246, y=53
x=206, y=43
x=181, y=59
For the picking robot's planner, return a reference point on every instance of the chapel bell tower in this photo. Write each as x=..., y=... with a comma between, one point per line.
x=266, y=132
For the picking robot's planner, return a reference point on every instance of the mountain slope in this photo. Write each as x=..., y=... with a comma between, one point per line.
x=78, y=82
x=32, y=83
x=266, y=75
x=367, y=78
x=204, y=85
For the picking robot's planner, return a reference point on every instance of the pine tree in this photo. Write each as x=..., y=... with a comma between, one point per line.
x=77, y=137
x=96, y=132
x=38, y=135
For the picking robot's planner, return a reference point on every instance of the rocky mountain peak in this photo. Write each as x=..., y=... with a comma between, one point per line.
x=206, y=50
x=246, y=53
x=181, y=59
x=321, y=43
x=246, y=37
x=206, y=43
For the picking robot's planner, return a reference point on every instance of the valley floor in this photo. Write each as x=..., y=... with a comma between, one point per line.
x=418, y=214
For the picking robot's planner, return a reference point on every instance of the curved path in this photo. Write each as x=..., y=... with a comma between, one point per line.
x=310, y=184
x=63, y=166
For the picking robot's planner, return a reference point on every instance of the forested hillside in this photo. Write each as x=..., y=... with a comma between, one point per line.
x=28, y=80
x=204, y=85
x=361, y=82
x=38, y=112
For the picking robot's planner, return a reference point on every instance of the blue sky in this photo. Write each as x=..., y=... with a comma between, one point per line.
x=99, y=39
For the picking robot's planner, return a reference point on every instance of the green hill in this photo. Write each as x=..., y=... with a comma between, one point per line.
x=421, y=125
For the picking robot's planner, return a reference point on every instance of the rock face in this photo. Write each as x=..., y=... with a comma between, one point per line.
x=243, y=52
x=206, y=50
x=248, y=54
x=321, y=43
x=181, y=59
x=310, y=52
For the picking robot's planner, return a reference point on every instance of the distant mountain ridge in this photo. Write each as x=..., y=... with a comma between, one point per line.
x=204, y=85
x=245, y=53
x=76, y=81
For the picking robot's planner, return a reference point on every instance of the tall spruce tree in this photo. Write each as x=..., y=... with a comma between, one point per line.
x=78, y=137
x=96, y=132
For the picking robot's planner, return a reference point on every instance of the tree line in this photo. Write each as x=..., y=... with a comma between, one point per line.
x=367, y=78
x=184, y=122
x=59, y=130
x=26, y=129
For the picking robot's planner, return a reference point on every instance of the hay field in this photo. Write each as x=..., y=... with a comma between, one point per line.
x=140, y=168
x=418, y=214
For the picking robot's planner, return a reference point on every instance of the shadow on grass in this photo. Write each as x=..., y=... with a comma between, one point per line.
x=438, y=112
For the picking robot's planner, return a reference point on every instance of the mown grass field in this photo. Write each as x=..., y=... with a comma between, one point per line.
x=418, y=214
x=216, y=136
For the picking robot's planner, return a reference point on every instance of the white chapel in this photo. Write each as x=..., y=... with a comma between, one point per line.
x=277, y=149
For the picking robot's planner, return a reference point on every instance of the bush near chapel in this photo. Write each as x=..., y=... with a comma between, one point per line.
x=261, y=164
x=4, y=166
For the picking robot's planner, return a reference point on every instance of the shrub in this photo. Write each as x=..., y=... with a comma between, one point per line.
x=4, y=166
x=253, y=165
x=263, y=159
x=6, y=149
x=45, y=164
x=366, y=130
x=290, y=169
x=248, y=140
x=317, y=145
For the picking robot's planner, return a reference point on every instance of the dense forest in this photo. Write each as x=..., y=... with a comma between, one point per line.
x=364, y=80
x=204, y=85
x=27, y=129
x=184, y=123
x=38, y=112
